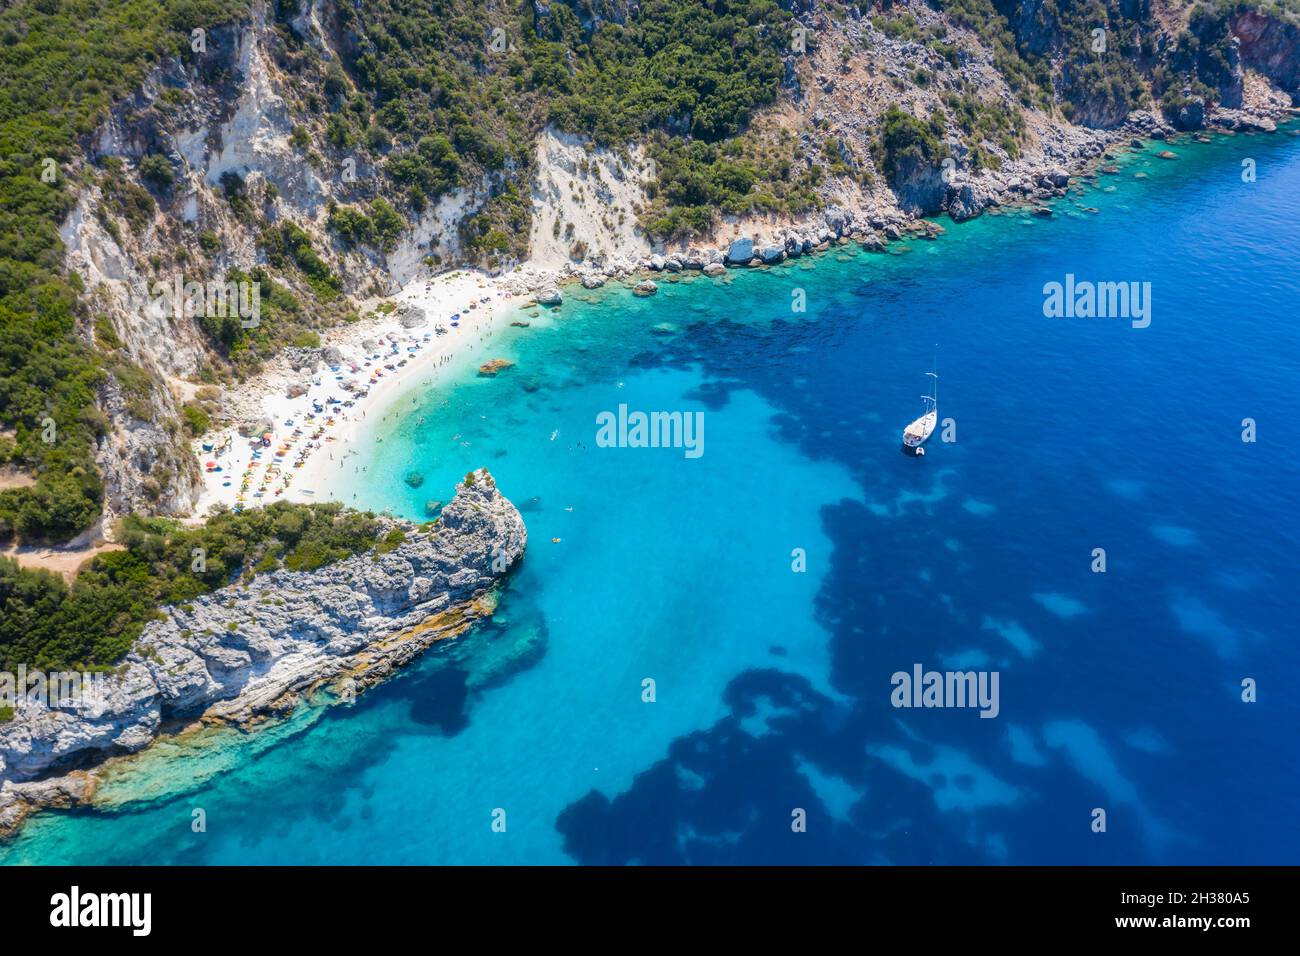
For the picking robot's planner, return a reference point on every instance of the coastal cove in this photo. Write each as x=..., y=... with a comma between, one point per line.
x=772, y=687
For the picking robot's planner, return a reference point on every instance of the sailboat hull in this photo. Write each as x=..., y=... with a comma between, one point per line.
x=918, y=433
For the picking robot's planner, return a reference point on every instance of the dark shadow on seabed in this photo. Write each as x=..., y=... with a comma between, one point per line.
x=440, y=690
x=882, y=785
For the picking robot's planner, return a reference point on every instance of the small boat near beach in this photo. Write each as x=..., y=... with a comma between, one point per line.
x=918, y=432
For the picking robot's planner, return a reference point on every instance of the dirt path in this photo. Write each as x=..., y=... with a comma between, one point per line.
x=13, y=478
x=64, y=561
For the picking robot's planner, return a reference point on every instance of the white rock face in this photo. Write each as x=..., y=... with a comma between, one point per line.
x=586, y=194
x=240, y=652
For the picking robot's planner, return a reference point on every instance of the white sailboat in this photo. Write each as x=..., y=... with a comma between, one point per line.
x=915, y=434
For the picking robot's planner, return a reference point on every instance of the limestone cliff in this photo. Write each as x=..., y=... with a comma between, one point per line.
x=241, y=653
x=288, y=117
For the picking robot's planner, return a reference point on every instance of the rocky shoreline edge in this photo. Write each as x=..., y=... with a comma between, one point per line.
x=963, y=199
x=246, y=654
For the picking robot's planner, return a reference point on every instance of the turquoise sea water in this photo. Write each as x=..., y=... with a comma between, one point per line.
x=1118, y=691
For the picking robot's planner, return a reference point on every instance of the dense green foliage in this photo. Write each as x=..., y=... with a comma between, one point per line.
x=1201, y=61
x=46, y=623
x=906, y=144
x=450, y=91
x=61, y=66
x=379, y=225
x=683, y=66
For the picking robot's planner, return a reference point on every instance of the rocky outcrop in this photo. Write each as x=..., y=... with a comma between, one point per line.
x=142, y=466
x=1270, y=47
x=242, y=653
x=740, y=251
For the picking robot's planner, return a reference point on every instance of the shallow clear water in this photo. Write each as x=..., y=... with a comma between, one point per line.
x=1118, y=690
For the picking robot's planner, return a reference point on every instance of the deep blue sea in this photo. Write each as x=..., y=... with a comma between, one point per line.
x=1119, y=691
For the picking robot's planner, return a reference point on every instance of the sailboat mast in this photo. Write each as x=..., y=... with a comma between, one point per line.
x=935, y=375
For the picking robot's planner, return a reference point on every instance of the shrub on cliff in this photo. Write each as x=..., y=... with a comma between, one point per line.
x=46, y=623
x=61, y=66
x=905, y=144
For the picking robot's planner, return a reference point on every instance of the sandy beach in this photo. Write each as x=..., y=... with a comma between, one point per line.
x=305, y=449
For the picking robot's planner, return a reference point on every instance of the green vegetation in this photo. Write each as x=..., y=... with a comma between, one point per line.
x=985, y=122
x=906, y=144
x=290, y=245
x=680, y=65
x=379, y=228
x=1029, y=75
x=440, y=94
x=395, y=538
x=1202, y=58
x=196, y=419
x=92, y=623
x=61, y=66
x=697, y=180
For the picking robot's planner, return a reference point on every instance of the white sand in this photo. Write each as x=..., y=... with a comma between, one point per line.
x=244, y=481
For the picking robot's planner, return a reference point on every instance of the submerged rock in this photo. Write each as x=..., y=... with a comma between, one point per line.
x=645, y=287
x=414, y=479
x=493, y=366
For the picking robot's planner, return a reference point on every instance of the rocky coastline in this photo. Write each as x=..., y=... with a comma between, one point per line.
x=1023, y=183
x=245, y=654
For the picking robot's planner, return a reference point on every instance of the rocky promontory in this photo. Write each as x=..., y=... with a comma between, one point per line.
x=243, y=653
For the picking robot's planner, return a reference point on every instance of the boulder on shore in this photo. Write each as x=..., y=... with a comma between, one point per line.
x=714, y=269
x=549, y=296
x=1191, y=115
x=255, y=429
x=413, y=317
x=741, y=250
